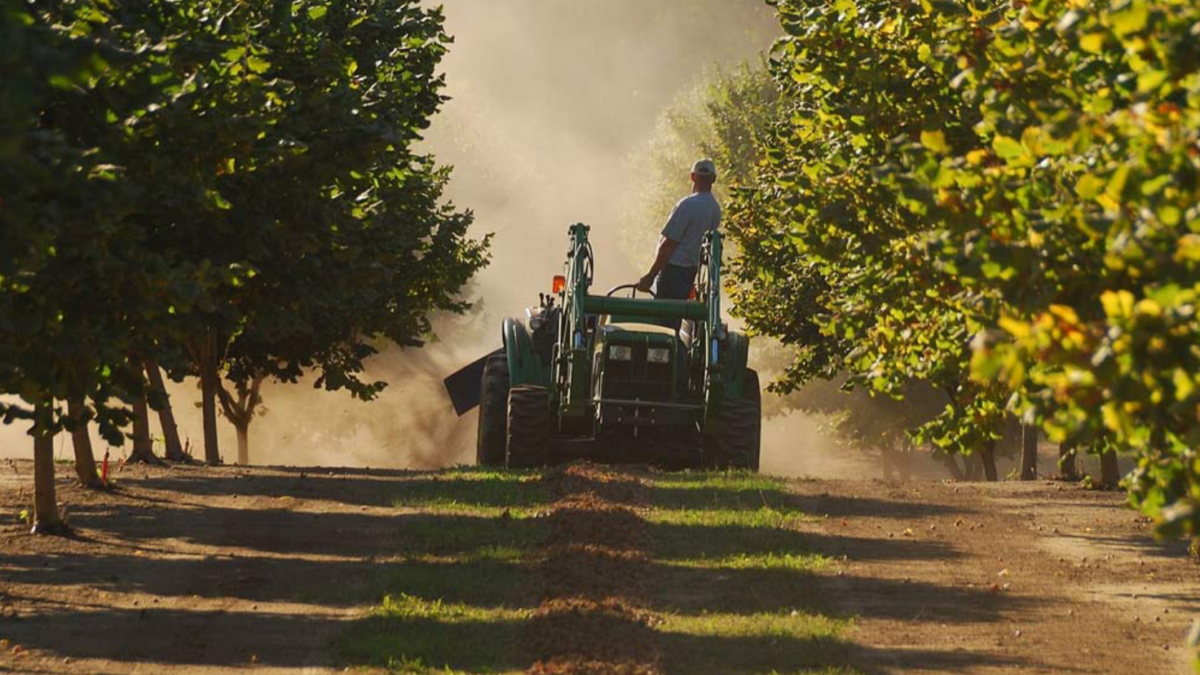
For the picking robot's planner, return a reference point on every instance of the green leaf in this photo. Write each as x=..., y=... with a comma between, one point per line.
x=1009, y=148
x=258, y=65
x=1116, y=185
x=1089, y=186
x=1131, y=19
x=1170, y=215
x=1151, y=80
x=1155, y=185
x=994, y=270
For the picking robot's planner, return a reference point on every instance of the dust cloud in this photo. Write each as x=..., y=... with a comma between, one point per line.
x=549, y=99
x=798, y=444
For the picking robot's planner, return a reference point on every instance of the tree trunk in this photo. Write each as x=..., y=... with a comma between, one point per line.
x=885, y=462
x=1066, y=462
x=46, y=518
x=988, y=457
x=143, y=449
x=1029, y=451
x=243, y=441
x=85, y=461
x=208, y=395
x=166, y=417
x=974, y=467
x=951, y=464
x=1110, y=473
x=241, y=412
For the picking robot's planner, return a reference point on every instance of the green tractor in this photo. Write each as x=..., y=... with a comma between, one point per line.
x=609, y=377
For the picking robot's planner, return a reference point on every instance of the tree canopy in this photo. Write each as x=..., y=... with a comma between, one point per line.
x=217, y=185
x=1002, y=205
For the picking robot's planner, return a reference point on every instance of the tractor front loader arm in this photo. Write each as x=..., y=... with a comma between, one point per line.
x=572, y=359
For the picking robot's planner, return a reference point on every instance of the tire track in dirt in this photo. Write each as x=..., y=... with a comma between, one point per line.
x=594, y=618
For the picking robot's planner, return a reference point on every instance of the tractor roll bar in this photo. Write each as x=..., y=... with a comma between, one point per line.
x=646, y=309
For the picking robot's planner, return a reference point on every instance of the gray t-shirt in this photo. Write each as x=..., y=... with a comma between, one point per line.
x=693, y=217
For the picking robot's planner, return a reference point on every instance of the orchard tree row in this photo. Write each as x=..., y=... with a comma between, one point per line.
x=730, y=115
x=218, y=189
x=999, y=200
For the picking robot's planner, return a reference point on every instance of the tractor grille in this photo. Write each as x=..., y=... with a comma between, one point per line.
x=637, y=378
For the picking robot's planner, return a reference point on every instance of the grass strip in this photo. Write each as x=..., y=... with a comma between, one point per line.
x=457, y=597
x=733, y=579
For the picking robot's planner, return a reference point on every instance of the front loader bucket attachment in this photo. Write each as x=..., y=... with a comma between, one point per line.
x=463, y=386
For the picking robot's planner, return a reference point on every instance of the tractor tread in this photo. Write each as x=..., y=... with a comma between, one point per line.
x=490, y=448
x=529, y=427
x=739, y=444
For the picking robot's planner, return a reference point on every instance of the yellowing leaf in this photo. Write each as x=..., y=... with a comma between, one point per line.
x=1031, y=138
x=977, y=157
x=1065, y=312
x=1116, y=184
x=1188, y=248
x=1116, y=419
x=935, y=141
x=1117, y=304
x=1147, y=307
x=1088, y=186
x=1092, y=42
x=1184, y=384
x=1015, y=327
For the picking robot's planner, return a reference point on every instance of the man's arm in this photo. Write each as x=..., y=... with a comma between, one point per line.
x=666, y=246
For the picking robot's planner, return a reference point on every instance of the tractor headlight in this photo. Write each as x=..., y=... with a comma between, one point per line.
x=620, y=353
x=658, y=355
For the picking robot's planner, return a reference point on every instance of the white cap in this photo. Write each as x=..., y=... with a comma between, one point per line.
x=705, y=167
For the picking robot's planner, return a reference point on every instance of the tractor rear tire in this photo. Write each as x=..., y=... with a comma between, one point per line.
x=739, y=444
x=529, y=427
x=491, y=444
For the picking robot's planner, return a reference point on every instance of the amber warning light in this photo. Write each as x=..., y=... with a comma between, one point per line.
x=560, y=282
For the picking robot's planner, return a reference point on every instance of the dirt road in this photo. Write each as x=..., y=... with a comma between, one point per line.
x=214, y=570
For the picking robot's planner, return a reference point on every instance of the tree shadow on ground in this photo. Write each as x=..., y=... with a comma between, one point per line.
x=761, y=654
x=284, y=531
x=1141, y=546
x=691, y=591
x=417, y=644
x=453, y=569
x=471, y=577
x=698, y=541
x=697, y=492
x=177, y=636
x=465, y=486
x=748, y=589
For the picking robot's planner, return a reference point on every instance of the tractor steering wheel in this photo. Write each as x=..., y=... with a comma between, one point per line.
x=633, y=290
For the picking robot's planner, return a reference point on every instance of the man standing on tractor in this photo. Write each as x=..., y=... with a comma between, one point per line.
x=673, y=273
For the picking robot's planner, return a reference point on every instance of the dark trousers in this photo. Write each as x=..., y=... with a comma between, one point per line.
x=674, y=283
